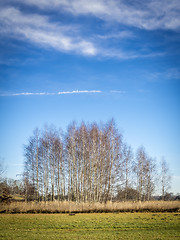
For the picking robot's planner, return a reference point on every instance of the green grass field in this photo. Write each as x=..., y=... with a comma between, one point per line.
x=90, y=226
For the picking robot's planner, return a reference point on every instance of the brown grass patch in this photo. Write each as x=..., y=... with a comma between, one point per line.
x=72, y=207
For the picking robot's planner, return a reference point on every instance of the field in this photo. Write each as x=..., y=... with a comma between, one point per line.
x=90, y=226
x=90, y=207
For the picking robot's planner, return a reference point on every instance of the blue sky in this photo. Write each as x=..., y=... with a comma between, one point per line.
x=91, y=60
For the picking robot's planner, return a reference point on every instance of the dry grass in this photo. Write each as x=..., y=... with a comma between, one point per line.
x=69, y=207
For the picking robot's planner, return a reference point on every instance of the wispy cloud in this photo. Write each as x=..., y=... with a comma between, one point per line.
x=39, y=30
x=49, y=93
x=118, y=91
x=43, y=31
x=77, y=91
x=120, y=35
x=167, y=75
x=121, y=54
x=152, y=14
x=62, y=93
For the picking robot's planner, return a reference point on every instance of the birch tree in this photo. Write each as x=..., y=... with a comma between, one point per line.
x=32, y=162
x=113, y=148
x=140, y=171
x=126, y=164
x=165, y=178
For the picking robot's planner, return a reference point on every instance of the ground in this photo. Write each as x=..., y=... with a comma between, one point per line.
x=90, y=226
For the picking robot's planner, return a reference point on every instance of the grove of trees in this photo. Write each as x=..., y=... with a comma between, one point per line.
x=89, y=162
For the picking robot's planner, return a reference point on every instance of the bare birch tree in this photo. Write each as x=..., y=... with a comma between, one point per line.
x=126, y=169
x=140, y=171
x=165, y=178
x=87, y=164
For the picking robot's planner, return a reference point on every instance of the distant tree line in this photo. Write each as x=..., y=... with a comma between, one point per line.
x=89, y=163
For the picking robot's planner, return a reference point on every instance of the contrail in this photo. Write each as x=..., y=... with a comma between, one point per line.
x=60, y=93
x=48, y=93
x=83, y=91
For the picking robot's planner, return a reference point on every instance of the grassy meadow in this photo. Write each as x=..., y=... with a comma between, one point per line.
x=90, y=226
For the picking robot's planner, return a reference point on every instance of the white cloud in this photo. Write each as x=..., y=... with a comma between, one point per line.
x=77, y=91
x=42, y=31
x=152, y=14
x=173, y=73
x=118, y=91
x=120, y=35
x=48, y=93
x=25, y=94
x=168, y=74
x=62, y=93
x=38, y=29
x=120, y=54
